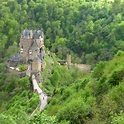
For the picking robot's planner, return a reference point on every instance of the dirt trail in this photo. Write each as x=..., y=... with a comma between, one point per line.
x=83, y=67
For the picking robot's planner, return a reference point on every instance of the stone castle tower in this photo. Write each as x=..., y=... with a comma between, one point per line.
x=32, y=48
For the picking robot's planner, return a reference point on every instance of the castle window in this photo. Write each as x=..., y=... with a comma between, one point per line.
x=21, y=50
x=41, y=49
x=30, y=52
x=39, y=37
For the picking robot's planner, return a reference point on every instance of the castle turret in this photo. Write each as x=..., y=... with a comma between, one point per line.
x=31, y=45
x=36, y=65
x=69, y=61
x=31, y=34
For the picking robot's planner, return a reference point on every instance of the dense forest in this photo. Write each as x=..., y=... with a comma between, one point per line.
x=92, y=31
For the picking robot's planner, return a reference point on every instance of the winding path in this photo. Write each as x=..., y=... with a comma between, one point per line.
x=83, y=67
x=43, y=97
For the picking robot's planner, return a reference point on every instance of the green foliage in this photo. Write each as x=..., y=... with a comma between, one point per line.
x=111, y=74
x=11, y=82
x=98, y=70
x=116, y=94
x=55, y=78
x=88, y=100
x=5, y=119
x=116, y=77
x=22, y=67
x=12, y=50
x=119, y=53
x=75, y=111
x=92, y=31
x=82, y=27
x=24, y=83
x=2, y=74
x=42, y=118
x=118, y=118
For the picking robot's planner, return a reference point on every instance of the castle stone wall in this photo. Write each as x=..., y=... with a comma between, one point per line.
x=24, y=46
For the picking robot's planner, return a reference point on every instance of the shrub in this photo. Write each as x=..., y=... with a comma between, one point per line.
x=120, y=53
x=76, y=111
x=42, y=118
x=22, y=67
x=117, y=94
x=98, y=70
x=116, y=76
x=118, y=119
x=6, y=119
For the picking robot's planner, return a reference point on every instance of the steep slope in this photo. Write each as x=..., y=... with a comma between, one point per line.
x=95, y=98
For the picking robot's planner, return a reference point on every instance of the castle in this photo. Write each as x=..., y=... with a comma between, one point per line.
x=31, y=51
x=32, y=48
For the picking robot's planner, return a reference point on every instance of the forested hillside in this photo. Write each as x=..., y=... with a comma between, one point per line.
x=95, y=98
x=91, y=31
x=74, y=97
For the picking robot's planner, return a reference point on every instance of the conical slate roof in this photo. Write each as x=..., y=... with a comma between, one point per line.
x=25, y=34
x=34, y=46
x=15, y=57
x=37, y=59
x=41, y=57
x=37, y=34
